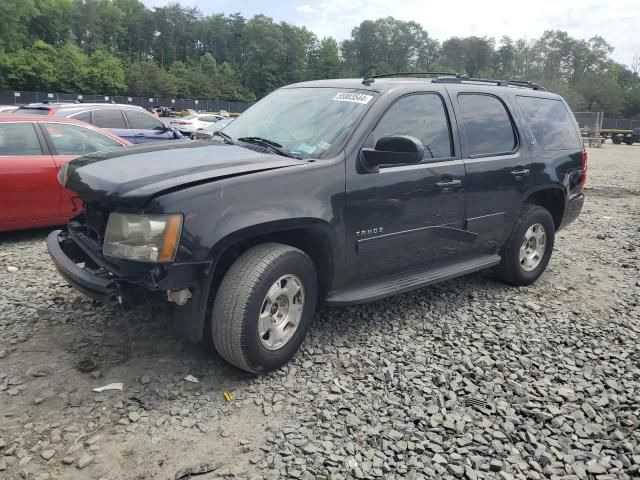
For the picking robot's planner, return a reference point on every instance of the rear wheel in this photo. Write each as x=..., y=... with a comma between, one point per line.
x=264, y=306
x=528, y=250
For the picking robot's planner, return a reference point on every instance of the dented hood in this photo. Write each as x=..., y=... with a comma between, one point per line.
x=130, y=177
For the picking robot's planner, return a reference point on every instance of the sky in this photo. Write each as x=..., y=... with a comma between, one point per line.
x=617, y=22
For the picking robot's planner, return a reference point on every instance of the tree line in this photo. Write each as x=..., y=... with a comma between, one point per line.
x=116, y=47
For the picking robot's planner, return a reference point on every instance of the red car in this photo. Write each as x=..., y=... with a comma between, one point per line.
x=32, y=151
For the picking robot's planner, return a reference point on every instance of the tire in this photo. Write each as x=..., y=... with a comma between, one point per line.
x=242, y=299
x=617, y=140
x=512, y=269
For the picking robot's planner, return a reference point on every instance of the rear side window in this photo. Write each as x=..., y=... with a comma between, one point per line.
x=422, y=116
x=487, y=125
x=549, y=122
x=108, y=118
x=143, y=121
x=83, y=117
x=19, y=139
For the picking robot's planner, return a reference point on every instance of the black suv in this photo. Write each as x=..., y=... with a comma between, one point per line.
x=336, y=191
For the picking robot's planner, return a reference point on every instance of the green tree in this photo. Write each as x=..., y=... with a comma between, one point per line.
x=104, y=74
x=326, y=63
x=71, y=63
x=14, y=21
x=601, y=93
x=53, y=22
x=33, y=68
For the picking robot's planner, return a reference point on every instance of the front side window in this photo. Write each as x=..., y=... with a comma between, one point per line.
x=19, y=139
x=308, y=122
x=75, y=140
x=422, y=116
x=549, y=122
x=143, y=121
x=108, y=118
x=487, y=125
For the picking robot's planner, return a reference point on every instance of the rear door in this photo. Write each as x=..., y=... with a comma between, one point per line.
x=113, y=120
x=497, y=162
x=147, y=128
x=29, y=188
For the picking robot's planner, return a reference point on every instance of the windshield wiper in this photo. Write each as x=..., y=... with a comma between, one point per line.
x=227, y=138
x=270, y=144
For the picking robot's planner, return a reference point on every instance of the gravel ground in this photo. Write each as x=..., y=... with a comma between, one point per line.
x=467, y=379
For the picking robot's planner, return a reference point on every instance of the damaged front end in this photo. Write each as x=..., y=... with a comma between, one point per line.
x=149, y=277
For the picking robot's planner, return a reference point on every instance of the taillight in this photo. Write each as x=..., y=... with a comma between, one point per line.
x=184, y=123
x=51, y=111
x=583, y=178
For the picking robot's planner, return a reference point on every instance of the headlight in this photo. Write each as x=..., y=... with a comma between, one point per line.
x=145, y=238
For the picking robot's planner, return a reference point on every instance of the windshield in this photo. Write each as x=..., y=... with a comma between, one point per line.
x=308, y=122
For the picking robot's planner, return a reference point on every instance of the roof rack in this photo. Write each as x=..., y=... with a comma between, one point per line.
x=369, y=79
x=53, y=102
x=500, y=83
x=449, y=77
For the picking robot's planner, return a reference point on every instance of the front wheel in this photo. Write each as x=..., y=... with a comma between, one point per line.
x=264, y=307
x=528, y=250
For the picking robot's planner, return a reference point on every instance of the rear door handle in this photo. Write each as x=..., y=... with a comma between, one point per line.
x=448, y=185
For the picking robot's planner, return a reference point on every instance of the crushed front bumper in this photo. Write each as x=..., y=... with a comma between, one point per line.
x=96, y=283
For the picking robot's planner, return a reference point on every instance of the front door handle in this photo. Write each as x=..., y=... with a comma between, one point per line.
x=448, y=185
x=519, y=173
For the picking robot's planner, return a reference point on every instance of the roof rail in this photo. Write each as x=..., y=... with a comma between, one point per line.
x=369, y=79
x=500, y=83
x=53, y=102
x=450, y=77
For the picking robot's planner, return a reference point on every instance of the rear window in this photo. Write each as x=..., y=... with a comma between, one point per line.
x=33, y=110
x=549, y=122
x=487, y=125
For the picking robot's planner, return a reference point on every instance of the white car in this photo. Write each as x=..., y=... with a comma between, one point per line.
x=8, y=108
x=189, y=124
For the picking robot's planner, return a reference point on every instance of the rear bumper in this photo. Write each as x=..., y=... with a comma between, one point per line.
x=66, y=255
x=572, y=209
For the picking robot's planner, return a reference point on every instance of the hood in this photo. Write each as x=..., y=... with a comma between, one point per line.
x=130, y=177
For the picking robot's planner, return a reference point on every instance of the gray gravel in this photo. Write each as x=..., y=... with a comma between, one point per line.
x=468, y=379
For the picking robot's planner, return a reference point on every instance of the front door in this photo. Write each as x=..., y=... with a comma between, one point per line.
x=498, y=165
x=407, y=216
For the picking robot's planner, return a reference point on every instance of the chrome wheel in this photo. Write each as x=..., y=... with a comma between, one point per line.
x=281, y=312
x=533, y=247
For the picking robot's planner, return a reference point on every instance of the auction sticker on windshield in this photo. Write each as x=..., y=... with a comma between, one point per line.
x=352, y=97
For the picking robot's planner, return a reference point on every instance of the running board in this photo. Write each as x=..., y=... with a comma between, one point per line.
x=403, y=282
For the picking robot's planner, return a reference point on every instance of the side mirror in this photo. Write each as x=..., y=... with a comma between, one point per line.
x=396, y=150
